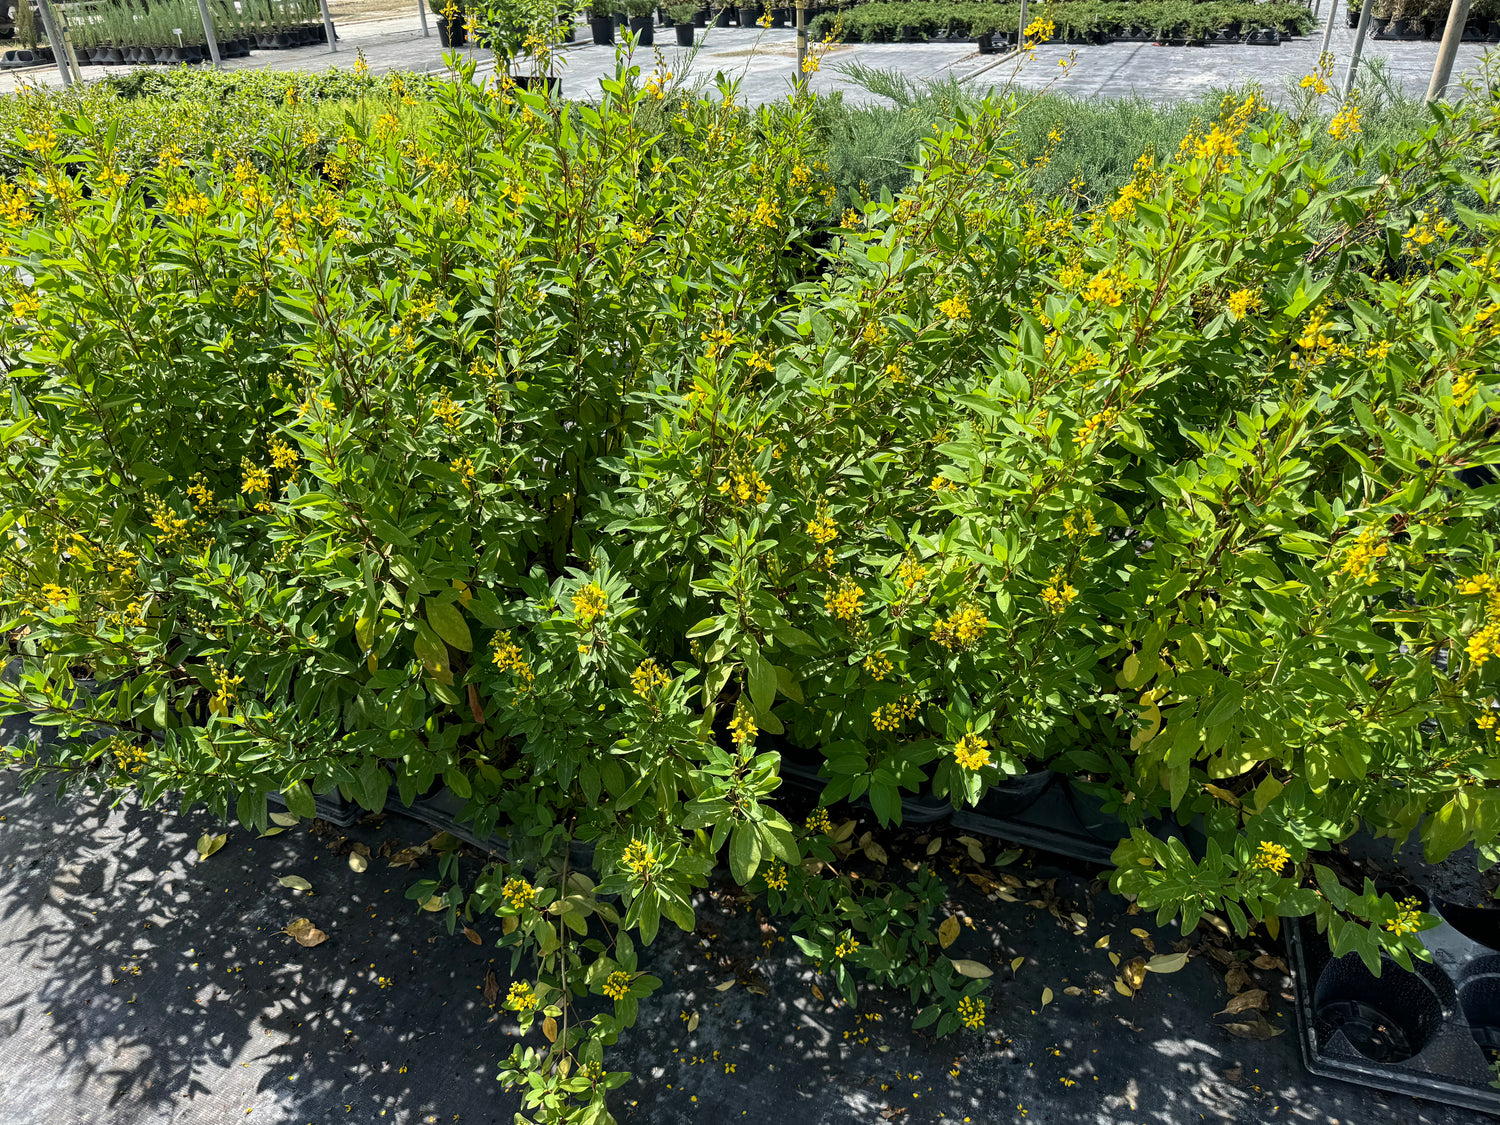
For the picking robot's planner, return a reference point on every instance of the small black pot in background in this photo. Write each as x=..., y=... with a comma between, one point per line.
x=644, y=29
x=722, y=18
x=684, y=34
x=603, y=28
x=749, y=16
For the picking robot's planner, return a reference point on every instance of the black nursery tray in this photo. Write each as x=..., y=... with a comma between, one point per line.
x=1431, y=1033
x=1046, y=811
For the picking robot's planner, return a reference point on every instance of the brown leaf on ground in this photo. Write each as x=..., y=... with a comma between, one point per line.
x=491, y=988
x=407, y=857
x=890, y=1113
x=473, y=936
x=1251, y=998
x=1236, y=979
x=304, y=932
x=1134, y=973
x=1266, y=961
x=1223, y=956
x=1253, y=1029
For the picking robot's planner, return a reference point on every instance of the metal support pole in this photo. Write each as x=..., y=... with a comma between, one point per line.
x=422, y=11
x=1021, y=30
x=1333, y=14
x=208, y=31
x=54, y=40
x=1359, y=46
x=1442, y=71
x=333, y=44
x=801, y=79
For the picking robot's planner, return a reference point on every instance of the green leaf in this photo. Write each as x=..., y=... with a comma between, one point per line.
x=744, y=852
x=299, y=800
x=447, y=621
x=762, y=677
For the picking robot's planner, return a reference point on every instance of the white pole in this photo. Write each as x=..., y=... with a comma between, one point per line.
x=66, y=66
x=208, y=31
x=1333, y=14
x=333, y=45
x=1021, y=31
x=1442, y=71
x=422, y=11
x=1359, y=46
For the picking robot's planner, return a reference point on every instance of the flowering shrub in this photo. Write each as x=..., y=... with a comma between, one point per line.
x=546, y=459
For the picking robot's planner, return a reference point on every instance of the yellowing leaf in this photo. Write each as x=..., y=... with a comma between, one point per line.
x=1134, y=972
x=948, y=931
x=1016, y=963
x=1114, y=959
x=976, y=853
x=725, y=987
x=1102, y=943
x=549, y=1029
x=934, y=845
x=1122, y=988
x=1150, y=716
x=693, y=1022
x=509, y=923
x=1167, y=962
x=1223, y=795
x=1140, y=933
x=1046, y=997
x=270, y=832
x=207, y=844
x=432, y=903
x=875, y=853
x=295, y=882
x=304, y=932
x=285, y=819
x=973, y=969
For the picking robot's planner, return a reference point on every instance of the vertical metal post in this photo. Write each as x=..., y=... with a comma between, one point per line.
x=1333, y=14
x=1442, y=71
x=1359, y=46
x=333, y=45
x=1021, y=30
x=67, y=65
x=801, y=80
x=422, y=11
x=208, y=31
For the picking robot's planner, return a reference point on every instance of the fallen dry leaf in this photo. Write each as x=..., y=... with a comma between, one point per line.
x=816, y=991
x=693, y=1022
x=1016, y=963
x=1266, y=961
x=725, y=987
x=875, y=853
x=1140, y=933
x=295, y=882
x=491, y=988
x=973, y=969
x=207, y=844
x=1249, y=999
x=1236, y=979
x=1102, y=943
x=407, y=857
x=1122, y=988
x=891, y=1113
x=1072, y=990
x=473, y=935
x=358, y=862
x=934, y=845
x=304, y=932
x=285, y=819
x=1253, y=1029
x=1079, y=920
x=1046, y=997
x=1166, y=962
x=1134, y=972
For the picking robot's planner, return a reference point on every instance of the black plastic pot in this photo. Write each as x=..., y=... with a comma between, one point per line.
x=987, y=45
x=700, y=18
x=684, y=34
x=750, y=16
x=644, y=30
x=452, y=32
x=538, y=83
x=603, y=30
x=721, y=18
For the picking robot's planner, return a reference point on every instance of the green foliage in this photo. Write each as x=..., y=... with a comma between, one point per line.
x=532, y=449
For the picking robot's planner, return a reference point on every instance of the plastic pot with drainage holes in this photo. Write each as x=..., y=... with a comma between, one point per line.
x=1390, y=1018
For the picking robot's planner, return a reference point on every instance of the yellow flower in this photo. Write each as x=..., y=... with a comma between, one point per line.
x=638, y=858
x=844, y=603
x=1094, y=426
x=963, y=629
x=1242, y=302
x=446, y=411
x=745, y=485
x=890, y=716
x=776, y=877
x=1083, y=527
x=253, y=479
x=1107, y=287
x=589, y=604
x=507, y=656
x=1271, y=857
x=1346, y=122
x=821, y=527
x=617, y=985
x=817, y=821
x=954, y=308
x=971, y=1012
x=910, y=571
x=518, y=892
x=878, y=665
x=971, y=752
x=1408, y=919
x=1058, y=594
x=1360, y=559
x=845, y=948
x=521, y=998
x=742, y=727
x=648, y=677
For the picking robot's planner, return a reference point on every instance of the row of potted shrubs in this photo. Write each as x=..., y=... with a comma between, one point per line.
x=118, y=32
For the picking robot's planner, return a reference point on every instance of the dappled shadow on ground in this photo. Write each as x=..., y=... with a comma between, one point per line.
x=140, y=985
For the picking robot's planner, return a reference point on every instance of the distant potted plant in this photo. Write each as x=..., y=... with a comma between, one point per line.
x=723, y=12
x=602, y=24
x=638, y=12
x=682, y=21
x=452, y=19
x=749, y=14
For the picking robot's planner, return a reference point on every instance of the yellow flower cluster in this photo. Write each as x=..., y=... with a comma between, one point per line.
x=638, y=858
x=1408, y=919
x=745, y=485
x=1107, y=287
x=521, y=998
x=1243, y=302
x=253, y=479
x=464, y=467
x=844, y=602
x=1057, y=594
x=776, y=877
x=1424, y=231
x=817, y=821
x=971, y=1012
x=1094, y=426
x=589, y=605
x=1485, y=642
x=1345, y=123
x=742, y=727
x=518, y=892
x=1361, y=558
x=507, y=656
x=284, y=458
x=962, y=629
x=1081, y=528
x=171, y=528
x=1464, y=389
x=224, y=684
x=972, y=752
x=845, y=948
x=648, y=677
x=878, y=664
x=890, y=716
x=128, y=758
x=1040, y=30
x=53, y=594
x=446, y=411
x=910, y=571
x=617, y=985
x=954, y=308
x=1271, y=857
x=1486, y=721
x=822, y=528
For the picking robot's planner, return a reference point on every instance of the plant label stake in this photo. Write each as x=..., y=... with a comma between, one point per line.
x=208, y=32
x=801, y=79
